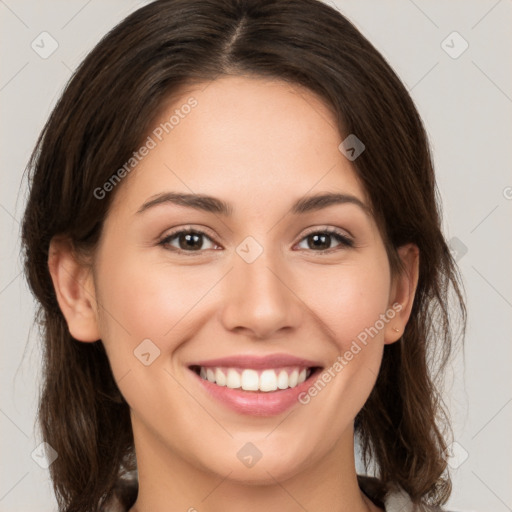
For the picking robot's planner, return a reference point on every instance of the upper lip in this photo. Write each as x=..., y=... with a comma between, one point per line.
x=252, y=361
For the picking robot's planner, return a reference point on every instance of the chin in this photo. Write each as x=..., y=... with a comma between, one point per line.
x=264, y=469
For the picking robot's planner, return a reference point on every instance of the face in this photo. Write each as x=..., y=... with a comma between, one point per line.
x=212, y=319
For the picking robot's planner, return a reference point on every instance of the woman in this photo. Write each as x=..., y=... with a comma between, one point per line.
x=233, y=233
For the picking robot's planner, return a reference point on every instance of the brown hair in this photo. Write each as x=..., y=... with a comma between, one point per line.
x=101, y=118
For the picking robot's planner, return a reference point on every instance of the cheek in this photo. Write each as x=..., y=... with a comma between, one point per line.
x=149, y=300
x=140, y=301
x=143, y=301
x=350, y=302
x=349, y=306
x=350, y=298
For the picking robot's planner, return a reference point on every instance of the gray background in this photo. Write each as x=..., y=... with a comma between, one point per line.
x=466, y=104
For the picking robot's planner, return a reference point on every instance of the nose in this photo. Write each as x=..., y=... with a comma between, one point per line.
x=260, y=297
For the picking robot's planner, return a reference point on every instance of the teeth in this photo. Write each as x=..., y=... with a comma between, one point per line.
x=220, y=377
x=233, y=380
x=253, y=380
x=268, y=380
x=282, y=380
x=250, y=380
x=292, y=381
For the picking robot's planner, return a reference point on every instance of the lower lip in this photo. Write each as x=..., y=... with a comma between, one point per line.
x=257, y=403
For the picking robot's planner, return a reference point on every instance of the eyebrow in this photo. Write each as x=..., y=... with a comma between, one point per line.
x=217, y=206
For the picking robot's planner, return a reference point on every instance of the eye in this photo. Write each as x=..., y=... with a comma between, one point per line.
x=189, y=240
x=320, y=241
x=192, y=240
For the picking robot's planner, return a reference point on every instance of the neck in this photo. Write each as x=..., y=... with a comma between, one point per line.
x=169, y=483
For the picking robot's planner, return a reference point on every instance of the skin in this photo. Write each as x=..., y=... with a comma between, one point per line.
x=259, y=145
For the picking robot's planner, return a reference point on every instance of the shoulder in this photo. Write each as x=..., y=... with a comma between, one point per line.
x=392, y=499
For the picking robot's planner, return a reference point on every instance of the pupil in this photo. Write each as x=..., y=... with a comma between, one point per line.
x=190, y=239
x=322, y=237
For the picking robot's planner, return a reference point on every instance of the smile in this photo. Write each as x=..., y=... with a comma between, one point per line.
x=259, y=386
x=255, y=380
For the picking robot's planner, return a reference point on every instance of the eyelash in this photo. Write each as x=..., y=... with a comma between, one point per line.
x=345, y=242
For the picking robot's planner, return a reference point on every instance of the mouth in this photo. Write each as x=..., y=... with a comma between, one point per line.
x=255, y=386
x=255, y=380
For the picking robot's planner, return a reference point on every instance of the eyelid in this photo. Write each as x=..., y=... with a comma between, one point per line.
x=196, y=228
x=329, y=229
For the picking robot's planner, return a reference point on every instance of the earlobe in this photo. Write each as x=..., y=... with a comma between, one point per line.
x=74, y=289
x=403, y=292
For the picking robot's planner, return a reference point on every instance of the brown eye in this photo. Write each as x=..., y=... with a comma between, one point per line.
x=319, y=241
x=187, y=241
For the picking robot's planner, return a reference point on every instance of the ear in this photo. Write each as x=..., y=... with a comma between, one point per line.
x=75, y=291
x=403, y=289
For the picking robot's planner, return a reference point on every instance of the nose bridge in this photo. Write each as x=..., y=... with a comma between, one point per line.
x=259, y=298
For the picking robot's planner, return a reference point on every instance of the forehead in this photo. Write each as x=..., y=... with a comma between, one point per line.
x=251, y=140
